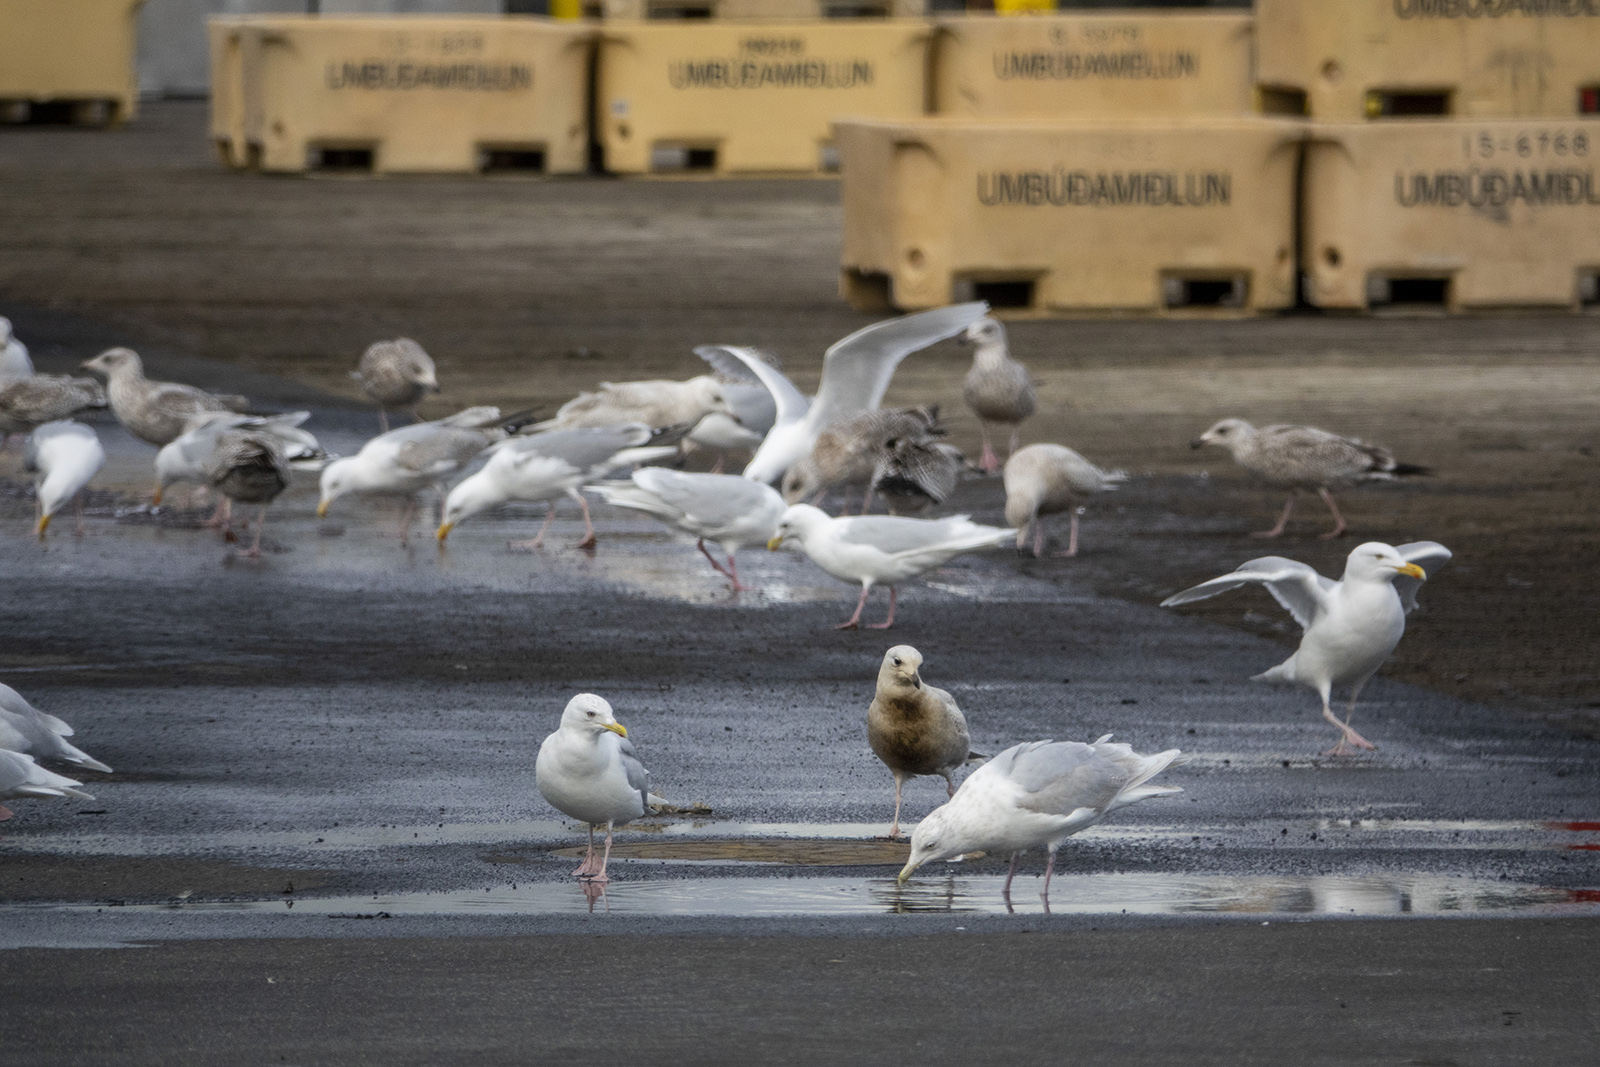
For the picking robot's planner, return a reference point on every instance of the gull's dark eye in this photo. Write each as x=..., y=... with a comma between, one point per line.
x=897, y=661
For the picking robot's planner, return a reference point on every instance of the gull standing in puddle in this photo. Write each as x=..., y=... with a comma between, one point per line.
x=589, y=771
x=1351, y=626
x=915, y=728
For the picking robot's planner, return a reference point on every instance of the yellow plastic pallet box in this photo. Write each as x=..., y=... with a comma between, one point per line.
x=1070, y=218
x=1463, y=214
x=1351, y=60
x=79, y=53
x=781, y=10
x=1132, y=64
x=407, y=94
x=727, y=97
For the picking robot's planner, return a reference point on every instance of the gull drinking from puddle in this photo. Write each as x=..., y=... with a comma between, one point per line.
x=732, y=512
x=1350, y=625
x=880, y=548
x=1037, y=794
x=589, y=771
x=914, y=728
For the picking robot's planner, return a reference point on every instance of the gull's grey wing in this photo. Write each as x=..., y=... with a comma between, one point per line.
x=1059, y=777
x=709, y=499
x=1430, y=556
x=733, y=367
x=791, y=403
x=638, y=777
x=894, y=534
x=1300, y=589
x=856, y=370
x=585, y=449
x=442, y=451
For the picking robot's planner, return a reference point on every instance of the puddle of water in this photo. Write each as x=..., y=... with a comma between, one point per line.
x=1098, y=894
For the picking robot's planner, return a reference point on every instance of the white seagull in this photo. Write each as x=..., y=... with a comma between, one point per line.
x=589, y=771
x=880, y=548
x=1033, y=794
x=26, y=729
x=20, y=776
x=1350, y=625
x=733, y=512
x=63, y=457
x=14, y=361
x=855, y=375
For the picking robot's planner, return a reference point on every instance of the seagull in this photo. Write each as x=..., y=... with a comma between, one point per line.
x=657, y=404
x=20, y=776
x=915, y=473
x=156, y=412
x=589, y=771
x=26, y=729
x=754, y=411
x=62, y=457
x=28, y=403
x=855, y=375
x=880, y=548
x=406, y=461
x=914, y=728
x=547, y=465
x=997, y=388
x=14, y=361
x=1046, y=480
x=396, y=374
x=848, y=453
x=186, y=457
x=733, y=512
x=1037, y=793
x=1300, y=458
x=1350, y=625
x=248, y=466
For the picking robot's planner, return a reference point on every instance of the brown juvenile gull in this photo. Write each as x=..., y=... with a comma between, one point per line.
x=27, y=403
x=397, y=374
x=1047, y=480
x=998, y=388
x=848, y=453
x=914, y=728
x=654, y=403
x=248, y=466
x=156, y=412
x=917, y=473
x=1303, y=458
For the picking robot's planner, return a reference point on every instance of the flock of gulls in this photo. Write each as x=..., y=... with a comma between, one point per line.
x=623, y=443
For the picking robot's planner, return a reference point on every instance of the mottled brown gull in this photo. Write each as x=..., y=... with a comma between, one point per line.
x=847, y=454
x=915, y=728
x=30, y=402
x=396, y=374
x=156, y=412
x=997, y=389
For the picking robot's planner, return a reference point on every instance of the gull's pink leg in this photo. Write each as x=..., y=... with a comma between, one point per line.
x=254, y=551
x=989, y=462
x=894, y=827
x=1049, y=869
x=701, y=545
x=587, y=866
x=1283, y=521
x=1347, y=735
x=1016, y=435
x=537, y=542
x=1038, y=537
x=866, y=501
x=602, y=878
x=219, y=518
x=854, y=621
x=588, y=527
x=5, y=813
x=1005, y=890
x=1339, y=527
x=406, y=517
x=1072, y=537
x=949, y=785
x=716, y=468
x=383, y=420
x=733, y=572
x=886, y=623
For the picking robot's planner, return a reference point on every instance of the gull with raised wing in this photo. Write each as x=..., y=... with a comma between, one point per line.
x=156, y=412
x=26, y=729
x=880, y=548
x=1305, y=459
x=1037, y=794
x=849, y=453
x=62, y=457
x=589, y=771
x=396, y=374
x=855, y=375
x=731, y=512
x=1351, y=626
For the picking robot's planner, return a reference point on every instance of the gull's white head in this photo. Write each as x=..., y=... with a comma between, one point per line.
x=796, y=524
x=5, y=330
x=338, y=478
x=935, y=838
x=985, y=333
x=1229, y=433
x=471, y=496
x=900, y=667
x=712, y=399
x=1378, y=562
x=591, y=716
x=114, y=361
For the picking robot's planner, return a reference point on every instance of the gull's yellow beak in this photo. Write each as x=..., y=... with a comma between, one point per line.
x=1411, y=570
x=322, y=509
x=775, y=542
x=155, y=498
x=905, y=873
x=616, y=728
x=444, y=531
x=43, y=523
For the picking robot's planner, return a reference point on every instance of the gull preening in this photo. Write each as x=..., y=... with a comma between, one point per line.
x=26, y=729
x=62, y=457
x=1048, y=479
x=247, y=466
x=396, y=374
x=729, y=511
x=915, y=728
x=997, y=388
x=848, y=453
x=1037, y=794
x=589, y=771
x=188, y=457
x=28, y=403
x=544, y=466
x=1351, y=626
x=855, y=375
x=156, y=412
x=887, y=549
x=14, y=361
x=1305, y=459
x=20, y=776
x=406, y=461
